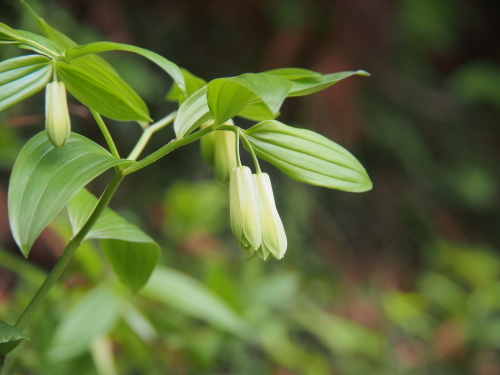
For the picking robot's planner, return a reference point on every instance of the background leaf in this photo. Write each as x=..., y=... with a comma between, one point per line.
x=193, y=84
x=192, y=113
x=10, y=337
x=44, y=179
x=131, y=253
x=308, y=157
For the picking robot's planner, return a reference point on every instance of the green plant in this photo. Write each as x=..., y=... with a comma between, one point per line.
x=53, y=168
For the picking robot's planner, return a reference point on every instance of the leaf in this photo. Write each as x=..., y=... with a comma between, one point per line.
x=257, y=112
x=22, y=77
x=172, y=69
x=7, y=33
x=39, y=44
x=131, y=253
x=191, y=297
x=226, y=97
x=193, y=84
x=10, y=337
x=98, y=94
x=93, y=65
x=309, y=84
x=97, y=313
x=44, y=179
x=192, y=113
x=308, y=157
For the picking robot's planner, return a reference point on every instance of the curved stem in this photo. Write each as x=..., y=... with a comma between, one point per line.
x=68, y=253
x=105, y=133
x=249, y=147
x=148, y=133
x=169, y=147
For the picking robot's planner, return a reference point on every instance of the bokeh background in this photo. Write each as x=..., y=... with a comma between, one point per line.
x=403, y=279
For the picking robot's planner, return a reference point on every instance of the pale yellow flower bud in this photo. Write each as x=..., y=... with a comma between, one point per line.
x=57, y=122
x=244, y=209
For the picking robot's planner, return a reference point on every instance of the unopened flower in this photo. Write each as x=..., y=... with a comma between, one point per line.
x=57, y=122
x=244, y=209
x=218, y=149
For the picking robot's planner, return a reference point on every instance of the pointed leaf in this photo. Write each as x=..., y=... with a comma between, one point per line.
x=192, y=113
x=22, y=77
x=228, y=96
x=193, y=84
x=10, y=337
x=98, y=94
x=7, y=33
x=131, y=253
x=306, y=84
x=96, y=314
x=308, y=157
x=39, y=44
x=44, y=179
x=168, y=66
x=188, y=295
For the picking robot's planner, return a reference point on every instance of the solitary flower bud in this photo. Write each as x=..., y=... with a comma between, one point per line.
x=218, y=149
x=244, y=209
x=57, y=122
x=273, y=234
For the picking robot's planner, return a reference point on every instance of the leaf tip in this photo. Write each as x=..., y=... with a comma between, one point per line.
x=25, y=249
x=363, y=73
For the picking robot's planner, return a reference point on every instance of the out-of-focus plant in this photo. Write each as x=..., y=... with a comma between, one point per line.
x=53, y=168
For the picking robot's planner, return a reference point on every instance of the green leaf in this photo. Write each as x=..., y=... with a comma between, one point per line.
x=228, y=96
x=257, y=112
x=10, y=337
x=93, y=65
x=99, y=95
x=94, y=315
x=39, y=44
x=308, y=157
x=309, y=84
x=8, y=34
x=44, y=179
x=172, y=69
x=193, y=84
x=22, y=77
x=131, y=253
x=188, y=295
x=192, y=113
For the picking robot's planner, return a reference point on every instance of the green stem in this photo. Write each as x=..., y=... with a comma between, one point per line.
x=68, y=253
x=148, y=133
x=169, y=147
x=249, y=147
x=105, y=133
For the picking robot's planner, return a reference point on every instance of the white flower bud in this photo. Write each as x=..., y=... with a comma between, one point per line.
x=57, y=122
x=244, y=209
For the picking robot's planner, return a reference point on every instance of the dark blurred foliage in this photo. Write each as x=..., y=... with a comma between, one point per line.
x=414, y=262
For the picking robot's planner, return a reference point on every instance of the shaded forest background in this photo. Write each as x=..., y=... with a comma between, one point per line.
x=403, y=279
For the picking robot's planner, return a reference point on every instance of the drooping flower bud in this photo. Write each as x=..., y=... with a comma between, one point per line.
x=57, y=122
x=273, y=233
x=218, y=149
x=244, y=209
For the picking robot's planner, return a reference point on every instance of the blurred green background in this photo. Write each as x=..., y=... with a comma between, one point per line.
x=403, y=279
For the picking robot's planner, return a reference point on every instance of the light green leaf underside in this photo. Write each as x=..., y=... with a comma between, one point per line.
x=308, y=157
x=44, y=179
x=257, y=112
x=96, y=314
x=192, y=298
x=227, y=97
x=169, y=67
x=22, y=77
x=192, y=113
x=10, y=337
x=131, y=253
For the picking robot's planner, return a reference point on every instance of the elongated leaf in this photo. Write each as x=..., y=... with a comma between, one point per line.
x=39, y=44
x=191, y=297
x=92, y=64
x=10, y=337
x=192, y=113
x=172, y=69
x=44, y=179
x=308, y=157
x=98, y=94
x=193, y=84
x=228, y=96
x=257, y=112
x=131, y=252
x=22, y=77
x=8, y=34
x=309, y=83
x=94, y=315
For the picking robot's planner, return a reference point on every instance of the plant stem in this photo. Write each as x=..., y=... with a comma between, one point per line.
x=169, y=147
x=249, y=147
x=105, y=133
x=147, y=134
x=68, y=253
